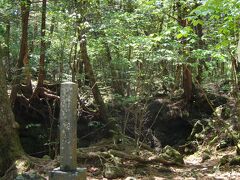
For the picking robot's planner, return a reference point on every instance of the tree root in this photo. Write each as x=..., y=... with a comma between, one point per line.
x=127, y=156
x=121, y=151
x=20, y=165
x=25, y=163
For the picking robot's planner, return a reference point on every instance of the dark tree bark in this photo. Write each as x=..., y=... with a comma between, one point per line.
x=10, y=145
x=23, y=54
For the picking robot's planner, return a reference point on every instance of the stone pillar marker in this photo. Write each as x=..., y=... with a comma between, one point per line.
x=68, y=136
x=68, y=127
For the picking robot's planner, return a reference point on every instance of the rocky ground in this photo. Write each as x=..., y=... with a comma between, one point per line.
x=124, y=161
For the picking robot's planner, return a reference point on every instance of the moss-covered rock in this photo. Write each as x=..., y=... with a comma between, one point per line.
x=112, y=172
x=224, y=160
x=235, y=161
x=172, y=154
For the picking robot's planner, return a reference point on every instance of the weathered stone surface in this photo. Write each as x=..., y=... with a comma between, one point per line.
x=32, y=175
x=68, y=136
x=68, y=126
x=79, y=174
x=130, y=178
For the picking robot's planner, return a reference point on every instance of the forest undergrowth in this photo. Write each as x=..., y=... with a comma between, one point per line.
x=158, y=138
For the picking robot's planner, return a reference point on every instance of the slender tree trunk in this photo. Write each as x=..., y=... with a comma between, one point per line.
x=80, y=68
x=234, y=76
x=61, y=63
x=201, y=44
x=10, y=145
x=40, y=91
x=7, y=50
x=73, y=60
x=41, y=74
x=23, y=54
x=74, y=70
x=187, y=82
x=92, y=80
x=89, y=70
x=187, y=74
x=35, y=31
x=178, y=76
x=237, y=124
x=116, y=83
x=128, y=90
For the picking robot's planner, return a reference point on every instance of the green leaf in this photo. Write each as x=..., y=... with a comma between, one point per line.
x=179, y=36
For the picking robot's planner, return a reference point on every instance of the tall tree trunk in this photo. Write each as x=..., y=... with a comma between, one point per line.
x=61, y=62
x=41, y=74
x=80, y=68
x=7, y=50
x=40, y=90
x=10, y=145
x=35, y=32
x=234, y=75
x=187, y=82
x=74, y=63
x=128, y=89
x=237, y=124
x=178, y=72
x=92, y=80
x=23, y=54
x=73, y=60
x=187, y=74
x=201, y=44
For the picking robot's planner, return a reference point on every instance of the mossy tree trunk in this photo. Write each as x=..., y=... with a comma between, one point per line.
x=10, y=147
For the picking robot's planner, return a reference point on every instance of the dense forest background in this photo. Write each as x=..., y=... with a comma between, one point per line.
x=163, y=73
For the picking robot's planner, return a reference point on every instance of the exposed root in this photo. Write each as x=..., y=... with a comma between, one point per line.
x=126, y=152
x=42, y=92
x=19, y=166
